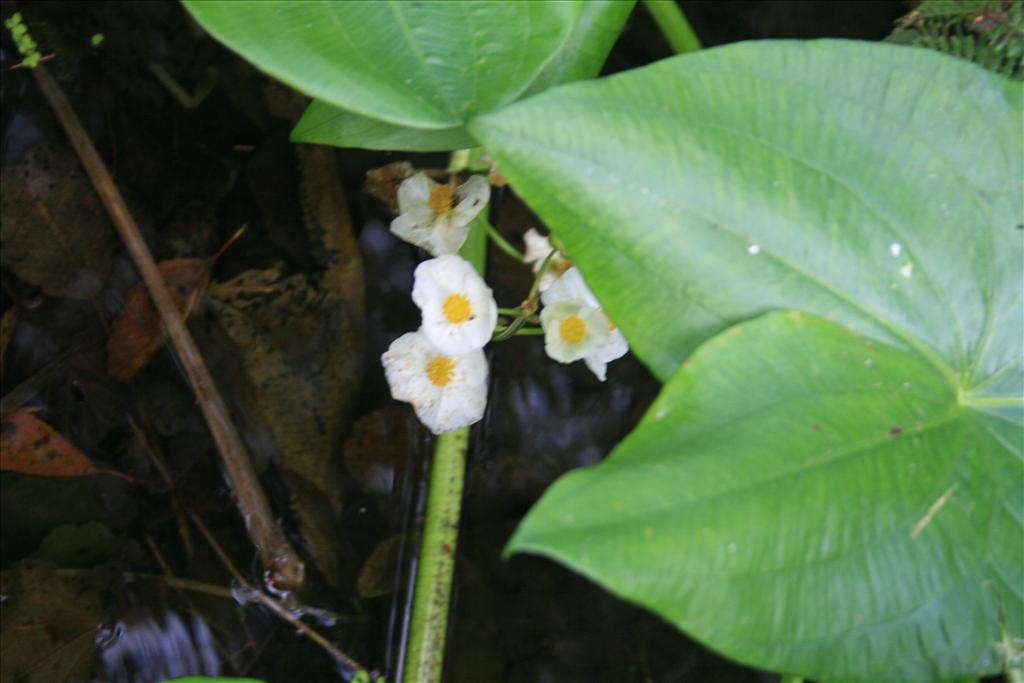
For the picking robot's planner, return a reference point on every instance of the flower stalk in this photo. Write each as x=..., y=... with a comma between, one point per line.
x=503, y=244
x=673, y=25
x=424, y=656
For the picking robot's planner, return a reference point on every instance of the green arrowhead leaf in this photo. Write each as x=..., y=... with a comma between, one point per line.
x=806, y=499
x=838, y=499
x=586, y=50
x=417, y=64
x=711, y=187
x=580, y=57
x=324, y=124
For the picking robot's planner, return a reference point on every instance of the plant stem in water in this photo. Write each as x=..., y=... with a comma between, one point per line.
x=431, y=602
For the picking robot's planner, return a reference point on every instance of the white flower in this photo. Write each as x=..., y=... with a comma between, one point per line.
x=569, y=287
x=437, y=217
x=446, y=391
x=537, y=249
x=576, y=327
x=459, y=313
x=615, y=347
x=573, y=330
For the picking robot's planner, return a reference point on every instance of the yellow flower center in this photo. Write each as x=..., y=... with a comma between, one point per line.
x=611, y=326
x=457, y=308
x=572, y=329
x=440, y=370
x=440, y=200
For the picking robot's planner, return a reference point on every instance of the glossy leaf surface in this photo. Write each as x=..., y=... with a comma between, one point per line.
x=872, y=184
x=416, y=64
x=585, y=52
x=580, y=57
x=778, y=504
x=809, y=500
x=326, y=125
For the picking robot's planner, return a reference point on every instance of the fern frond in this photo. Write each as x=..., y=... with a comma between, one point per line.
x=989, y=33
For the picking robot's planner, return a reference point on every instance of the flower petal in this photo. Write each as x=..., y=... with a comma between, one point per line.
x=448, y=235
x=594, y=331
x=416, y=226
x=570, y=287
x=537, y=248
x=458, y=403
x=596, y=366
x=404, y=364
x=414, y=191
x=441, y=278
x=472, y=197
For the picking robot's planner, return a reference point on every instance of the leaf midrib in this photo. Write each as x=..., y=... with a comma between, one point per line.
x=839, y=455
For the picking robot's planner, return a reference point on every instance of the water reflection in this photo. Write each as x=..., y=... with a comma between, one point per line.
x=144, y=649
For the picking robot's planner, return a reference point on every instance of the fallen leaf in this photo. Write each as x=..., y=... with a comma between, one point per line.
x=380, y=573
x=48, y=625
x=300, y=338
x=376, y=451
x=30, y=446
x=301, y=356
x=78, y=545
x=54, y=233
x=138, y=331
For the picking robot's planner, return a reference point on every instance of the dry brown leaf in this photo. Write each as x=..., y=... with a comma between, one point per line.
x=48, y=626
x=54, y=233
x=138, y=332
x=300, y=353
x=383, y=182
x=380, y=572
x=377, y=448
x=30, y=446
x=300, y=337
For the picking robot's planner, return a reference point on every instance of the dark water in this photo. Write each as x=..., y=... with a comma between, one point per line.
x=191, y=177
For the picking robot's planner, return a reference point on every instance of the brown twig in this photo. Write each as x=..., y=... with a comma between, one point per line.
x=287, y=569
x=179, y=508
x=170, y=581
x=275, y=606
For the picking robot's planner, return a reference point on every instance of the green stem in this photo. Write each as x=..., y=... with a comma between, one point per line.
x=428, y=624
x=460, y=159
x=529, y=331
x=501, y=333
x=502, y=244
x=540, y=274
x=514, y=312
x=673, y=25
x=474, y=249
x=424, y=661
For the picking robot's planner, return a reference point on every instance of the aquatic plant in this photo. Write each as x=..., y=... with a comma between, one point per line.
x=816, y=246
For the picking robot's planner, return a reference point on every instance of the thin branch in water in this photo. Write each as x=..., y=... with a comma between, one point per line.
x=275, y=606
x=287, y=568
